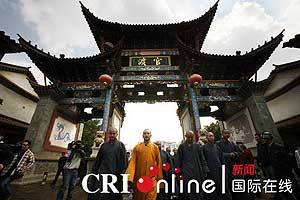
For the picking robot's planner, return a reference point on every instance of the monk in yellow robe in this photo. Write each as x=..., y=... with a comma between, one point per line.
x=144, y=155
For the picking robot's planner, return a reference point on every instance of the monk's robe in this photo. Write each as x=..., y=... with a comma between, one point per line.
x=193, y=166
x=111, y=159
x=142, y=157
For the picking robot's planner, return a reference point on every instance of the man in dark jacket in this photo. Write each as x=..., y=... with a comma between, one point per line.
x=60, y=168
x=215, y=160
x=165, y=158
x=279, y=167
x=193, y=165
x=231, y=153
x=111, y=159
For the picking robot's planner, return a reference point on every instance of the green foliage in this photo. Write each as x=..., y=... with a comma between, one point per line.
x=214, y=128
x=89, y=133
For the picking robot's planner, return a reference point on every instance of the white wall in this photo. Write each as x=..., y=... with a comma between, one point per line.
x=286, y=105
x=186, y=121
x=281, y=79
x=19, y=79
x=16, y=106
x=116, y=121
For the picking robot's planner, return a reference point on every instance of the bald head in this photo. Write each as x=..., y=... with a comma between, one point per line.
x=147, y=135
x=210, y=138
x=158, y=143
x=112, y=134
x=189, y=135
x=112, y=129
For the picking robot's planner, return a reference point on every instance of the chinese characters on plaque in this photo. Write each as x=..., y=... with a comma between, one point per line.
x=150, y=60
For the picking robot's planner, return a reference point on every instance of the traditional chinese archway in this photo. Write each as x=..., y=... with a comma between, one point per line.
x=150, y=63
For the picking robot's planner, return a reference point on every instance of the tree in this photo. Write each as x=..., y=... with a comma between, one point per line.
x=214, y=128
x=89, y=132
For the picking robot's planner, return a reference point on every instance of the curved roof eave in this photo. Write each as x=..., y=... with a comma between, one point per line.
x=69, y=69
x=244, y=65
x=120, y=26
x=267, y=47
x=8, y=45
x=38, y=53
x=101, y=28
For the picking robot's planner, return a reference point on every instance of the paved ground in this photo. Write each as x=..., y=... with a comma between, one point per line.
x=44, y=192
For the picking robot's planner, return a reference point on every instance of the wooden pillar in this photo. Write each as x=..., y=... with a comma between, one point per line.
x=195, y=112
x=106, y=113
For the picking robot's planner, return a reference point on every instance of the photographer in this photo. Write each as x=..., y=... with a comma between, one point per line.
x=70, y=173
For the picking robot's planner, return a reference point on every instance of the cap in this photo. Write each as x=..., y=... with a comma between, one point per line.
x=266, y=135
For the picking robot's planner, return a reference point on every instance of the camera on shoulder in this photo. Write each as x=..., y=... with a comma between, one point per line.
x=78, y=145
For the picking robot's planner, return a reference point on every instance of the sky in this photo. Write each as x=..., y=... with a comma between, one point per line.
x=60, y=27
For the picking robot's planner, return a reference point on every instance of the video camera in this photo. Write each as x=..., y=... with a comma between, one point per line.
x=78, y=145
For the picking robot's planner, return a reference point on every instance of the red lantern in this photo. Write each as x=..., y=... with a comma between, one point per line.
x=105, y=79
x=195, y=79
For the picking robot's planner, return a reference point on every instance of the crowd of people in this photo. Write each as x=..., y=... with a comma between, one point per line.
x=196, y=162
x=192, y=161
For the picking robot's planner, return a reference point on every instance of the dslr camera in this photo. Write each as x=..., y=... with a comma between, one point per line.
x=78, y=145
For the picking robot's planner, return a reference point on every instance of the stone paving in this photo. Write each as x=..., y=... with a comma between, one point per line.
x=42, y=192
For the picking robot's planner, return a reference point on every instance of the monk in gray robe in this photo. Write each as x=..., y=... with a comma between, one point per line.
x=215, y=160
x=165, y=158
x=231, y=153
x=111, y=159
x=193, y=165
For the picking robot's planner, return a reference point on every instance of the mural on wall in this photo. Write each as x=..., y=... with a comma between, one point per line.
x=241, y=128
x=60, y=133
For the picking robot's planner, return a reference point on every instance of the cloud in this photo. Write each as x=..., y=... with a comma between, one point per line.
x=241, y=29
x=246, y=26
x=60, y=26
